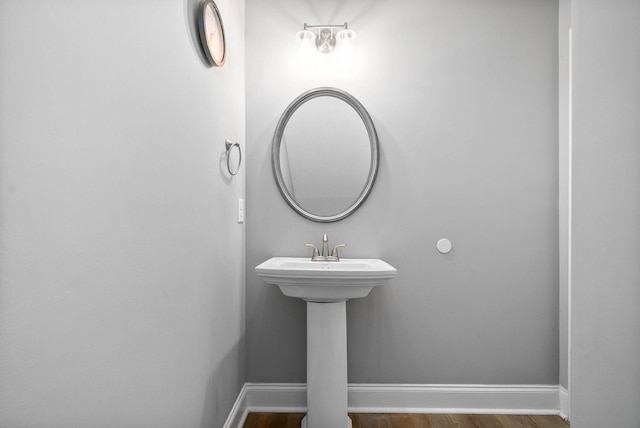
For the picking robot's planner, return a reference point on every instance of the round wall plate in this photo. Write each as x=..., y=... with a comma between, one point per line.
x=444, y=245
x=212, y=33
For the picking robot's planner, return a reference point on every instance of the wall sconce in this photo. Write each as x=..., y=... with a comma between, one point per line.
x=326, y=38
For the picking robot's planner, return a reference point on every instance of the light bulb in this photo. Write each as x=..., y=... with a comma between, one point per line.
x=307, y=49
x=345, y=49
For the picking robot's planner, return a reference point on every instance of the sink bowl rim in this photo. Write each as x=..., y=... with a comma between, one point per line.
x=320, y=281
x=274, y=267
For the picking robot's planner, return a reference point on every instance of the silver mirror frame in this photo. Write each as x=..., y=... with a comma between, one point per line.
x=277, y=138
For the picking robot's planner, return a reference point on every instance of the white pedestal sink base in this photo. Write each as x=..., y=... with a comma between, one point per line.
x=326, y=366
x=304, y=422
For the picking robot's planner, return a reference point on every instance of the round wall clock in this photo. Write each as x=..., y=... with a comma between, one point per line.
x=212, y=33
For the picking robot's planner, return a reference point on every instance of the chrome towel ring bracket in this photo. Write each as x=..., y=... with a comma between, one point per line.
x=229, y=146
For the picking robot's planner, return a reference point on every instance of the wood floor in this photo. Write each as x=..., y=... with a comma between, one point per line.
x=404, y=420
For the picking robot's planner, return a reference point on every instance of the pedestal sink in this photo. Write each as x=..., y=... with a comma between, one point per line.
x=326, y=286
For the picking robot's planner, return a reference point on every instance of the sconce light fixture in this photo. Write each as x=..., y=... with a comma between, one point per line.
x=326, y=38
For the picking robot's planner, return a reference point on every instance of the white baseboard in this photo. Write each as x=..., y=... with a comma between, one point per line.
x=239, y=411
x=407, y=398
x=565, y=410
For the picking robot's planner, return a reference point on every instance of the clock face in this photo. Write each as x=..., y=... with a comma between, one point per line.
x=212, y=33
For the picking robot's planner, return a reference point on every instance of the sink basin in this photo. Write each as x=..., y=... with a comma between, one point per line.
x=318, y=281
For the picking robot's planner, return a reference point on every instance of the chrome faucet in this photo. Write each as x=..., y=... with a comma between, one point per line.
x=324, y=256
x=325, y=245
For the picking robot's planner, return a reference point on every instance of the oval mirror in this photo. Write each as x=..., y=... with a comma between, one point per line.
x=324, y=154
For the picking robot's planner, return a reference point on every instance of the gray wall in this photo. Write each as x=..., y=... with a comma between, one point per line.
x=121, y=261
x=464, y=95
x=605, y=292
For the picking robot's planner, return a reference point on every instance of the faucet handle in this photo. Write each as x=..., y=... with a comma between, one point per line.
x=334, y=252
x=314, y=255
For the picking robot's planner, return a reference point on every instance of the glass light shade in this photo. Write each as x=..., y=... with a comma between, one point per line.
x=307, y=50
x=305, y=35
x=345, y=36
x=345, y=49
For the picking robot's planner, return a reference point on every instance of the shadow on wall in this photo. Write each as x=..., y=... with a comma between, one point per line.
x=191, y=18
x=218, y=402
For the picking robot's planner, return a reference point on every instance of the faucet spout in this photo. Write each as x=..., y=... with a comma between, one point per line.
x=325, y=246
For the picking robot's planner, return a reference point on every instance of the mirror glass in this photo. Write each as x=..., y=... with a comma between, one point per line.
x=325, y=154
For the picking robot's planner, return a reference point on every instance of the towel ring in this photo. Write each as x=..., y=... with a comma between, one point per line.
x=229, y=145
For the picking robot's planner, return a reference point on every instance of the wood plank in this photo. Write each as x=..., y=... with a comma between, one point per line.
x=463, y=421
x=515, y=421
x=273, y=420
x=370, y=420
x=549, y=422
